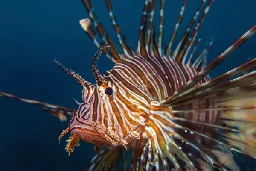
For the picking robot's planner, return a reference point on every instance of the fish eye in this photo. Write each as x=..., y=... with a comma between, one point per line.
x=109, y=91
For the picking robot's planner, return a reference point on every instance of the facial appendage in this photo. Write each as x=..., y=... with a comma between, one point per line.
x=83, y=124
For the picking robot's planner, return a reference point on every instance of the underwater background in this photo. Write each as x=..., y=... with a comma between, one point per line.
x=34, y=33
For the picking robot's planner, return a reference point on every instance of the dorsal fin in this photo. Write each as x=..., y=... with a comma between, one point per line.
x=190, y=61
x=101, y=31
x=123, y=40
x=182, y=92
x=161, y=42
x=186, y=33
x=168, y=48
x=200, y=60
x=194, y=33
x=143, y=23
x=149, y=34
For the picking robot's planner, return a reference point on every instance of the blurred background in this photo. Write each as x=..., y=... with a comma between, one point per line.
x=33, y=33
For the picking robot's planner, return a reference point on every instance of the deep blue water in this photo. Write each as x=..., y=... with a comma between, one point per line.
x=33, y=33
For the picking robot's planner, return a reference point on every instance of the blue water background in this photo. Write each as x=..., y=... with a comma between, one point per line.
x=33, y=33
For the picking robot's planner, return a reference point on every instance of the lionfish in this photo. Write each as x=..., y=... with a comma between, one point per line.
x=157, y=108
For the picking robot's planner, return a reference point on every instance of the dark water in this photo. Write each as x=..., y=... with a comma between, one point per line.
x=33, y=33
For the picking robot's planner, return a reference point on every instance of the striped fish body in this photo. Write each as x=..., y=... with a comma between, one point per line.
x=164, y=107
x=138, y=90
x=133, y=117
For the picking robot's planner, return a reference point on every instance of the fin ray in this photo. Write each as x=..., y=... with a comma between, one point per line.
x=58, y=111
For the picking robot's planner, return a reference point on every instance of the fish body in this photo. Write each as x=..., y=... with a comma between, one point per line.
x=157, y=108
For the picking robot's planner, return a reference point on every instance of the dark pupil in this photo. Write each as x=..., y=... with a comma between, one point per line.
x=108, y=91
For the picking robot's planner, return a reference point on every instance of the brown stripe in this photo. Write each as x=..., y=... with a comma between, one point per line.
x=117, y=115
x=129, y=86
x=154, y=68
x=127, y=116
x=141, y=74
x=95, y=111
x=159, y=135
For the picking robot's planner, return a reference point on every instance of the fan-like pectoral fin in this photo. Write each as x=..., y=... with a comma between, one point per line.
x=109, y=158
x=58, y=111
x=213, y=125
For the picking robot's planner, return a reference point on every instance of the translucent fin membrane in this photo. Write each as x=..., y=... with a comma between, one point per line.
x=200, y=61
x=190, y=61
x=219, y=122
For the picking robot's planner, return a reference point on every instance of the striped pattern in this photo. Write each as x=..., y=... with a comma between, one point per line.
x=164, y=100
x=58, y=111
x=164, y=108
